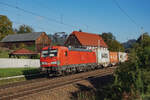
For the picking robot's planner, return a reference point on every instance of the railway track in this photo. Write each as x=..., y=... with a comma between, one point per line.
x=21, y=91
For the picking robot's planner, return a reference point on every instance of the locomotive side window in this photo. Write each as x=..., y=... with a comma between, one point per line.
x=66, y=54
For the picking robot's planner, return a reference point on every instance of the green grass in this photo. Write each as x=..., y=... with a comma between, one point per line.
x=7, y=72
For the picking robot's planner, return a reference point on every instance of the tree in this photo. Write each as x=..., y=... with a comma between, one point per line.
x=24, y=29
x=5, y=26
x=58, y=38
x=132, y=76
x=108, y=36
x=113, y=44
x=144, y=40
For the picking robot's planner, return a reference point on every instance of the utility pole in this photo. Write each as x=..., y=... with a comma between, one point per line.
x=98, y=43
x=142, y=31
x=98, y=49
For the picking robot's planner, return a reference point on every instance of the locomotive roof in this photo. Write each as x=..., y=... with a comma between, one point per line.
x=70, y=49
x=78, y=49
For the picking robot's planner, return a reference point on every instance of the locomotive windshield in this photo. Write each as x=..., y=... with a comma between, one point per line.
x=50, y=53
x=53, y=53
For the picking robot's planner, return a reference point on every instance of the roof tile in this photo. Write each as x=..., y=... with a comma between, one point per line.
x=22, y=37
x=89, y=39
x=23, y=51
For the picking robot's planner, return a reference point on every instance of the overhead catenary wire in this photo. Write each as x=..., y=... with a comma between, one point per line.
x=32, y=25
x=36, y=14
x=62, y=17
x=125, y=13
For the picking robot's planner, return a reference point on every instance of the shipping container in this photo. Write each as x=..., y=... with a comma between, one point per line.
x=113, y=57
x=122, y=56
x=102, y=55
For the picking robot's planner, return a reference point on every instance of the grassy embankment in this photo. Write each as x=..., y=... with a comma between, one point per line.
x=8, y=72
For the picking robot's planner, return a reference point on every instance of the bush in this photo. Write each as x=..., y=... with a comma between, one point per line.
x=22, y=45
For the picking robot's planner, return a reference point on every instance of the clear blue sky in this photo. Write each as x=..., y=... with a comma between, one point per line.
x=94, y=16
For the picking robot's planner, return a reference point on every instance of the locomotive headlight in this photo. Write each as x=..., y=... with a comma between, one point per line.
x=44, y=63
x=58, y=62
x=54, y=62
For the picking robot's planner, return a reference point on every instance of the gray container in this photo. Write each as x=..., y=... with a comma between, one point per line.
x=102, y=56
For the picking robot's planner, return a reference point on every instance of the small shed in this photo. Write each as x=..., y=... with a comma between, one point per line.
x=36, y=39
x=23, y=53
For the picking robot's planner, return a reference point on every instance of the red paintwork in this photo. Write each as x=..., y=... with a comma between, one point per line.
x=73, y=57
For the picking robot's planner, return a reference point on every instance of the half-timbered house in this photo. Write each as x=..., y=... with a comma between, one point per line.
x=85, y=40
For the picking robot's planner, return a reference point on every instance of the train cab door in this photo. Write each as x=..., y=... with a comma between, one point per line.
x=65, y=57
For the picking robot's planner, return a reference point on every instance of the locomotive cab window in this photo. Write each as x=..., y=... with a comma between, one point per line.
x=53, y=53
x=49, y=52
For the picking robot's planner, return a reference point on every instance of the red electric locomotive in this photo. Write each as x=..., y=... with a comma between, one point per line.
x=61, y=60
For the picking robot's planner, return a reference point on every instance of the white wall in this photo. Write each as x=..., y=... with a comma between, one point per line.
x=18, y=63
x=101, y=59
x=122, y=56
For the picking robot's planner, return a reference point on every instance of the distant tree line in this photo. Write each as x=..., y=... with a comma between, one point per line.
x=6, y=27
x=58, y=38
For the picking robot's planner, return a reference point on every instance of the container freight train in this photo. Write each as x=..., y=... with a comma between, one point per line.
x=62, y=60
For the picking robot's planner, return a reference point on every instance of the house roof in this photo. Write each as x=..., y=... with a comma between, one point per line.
x=23, y=51
x=22, y=37
x=89, y=39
